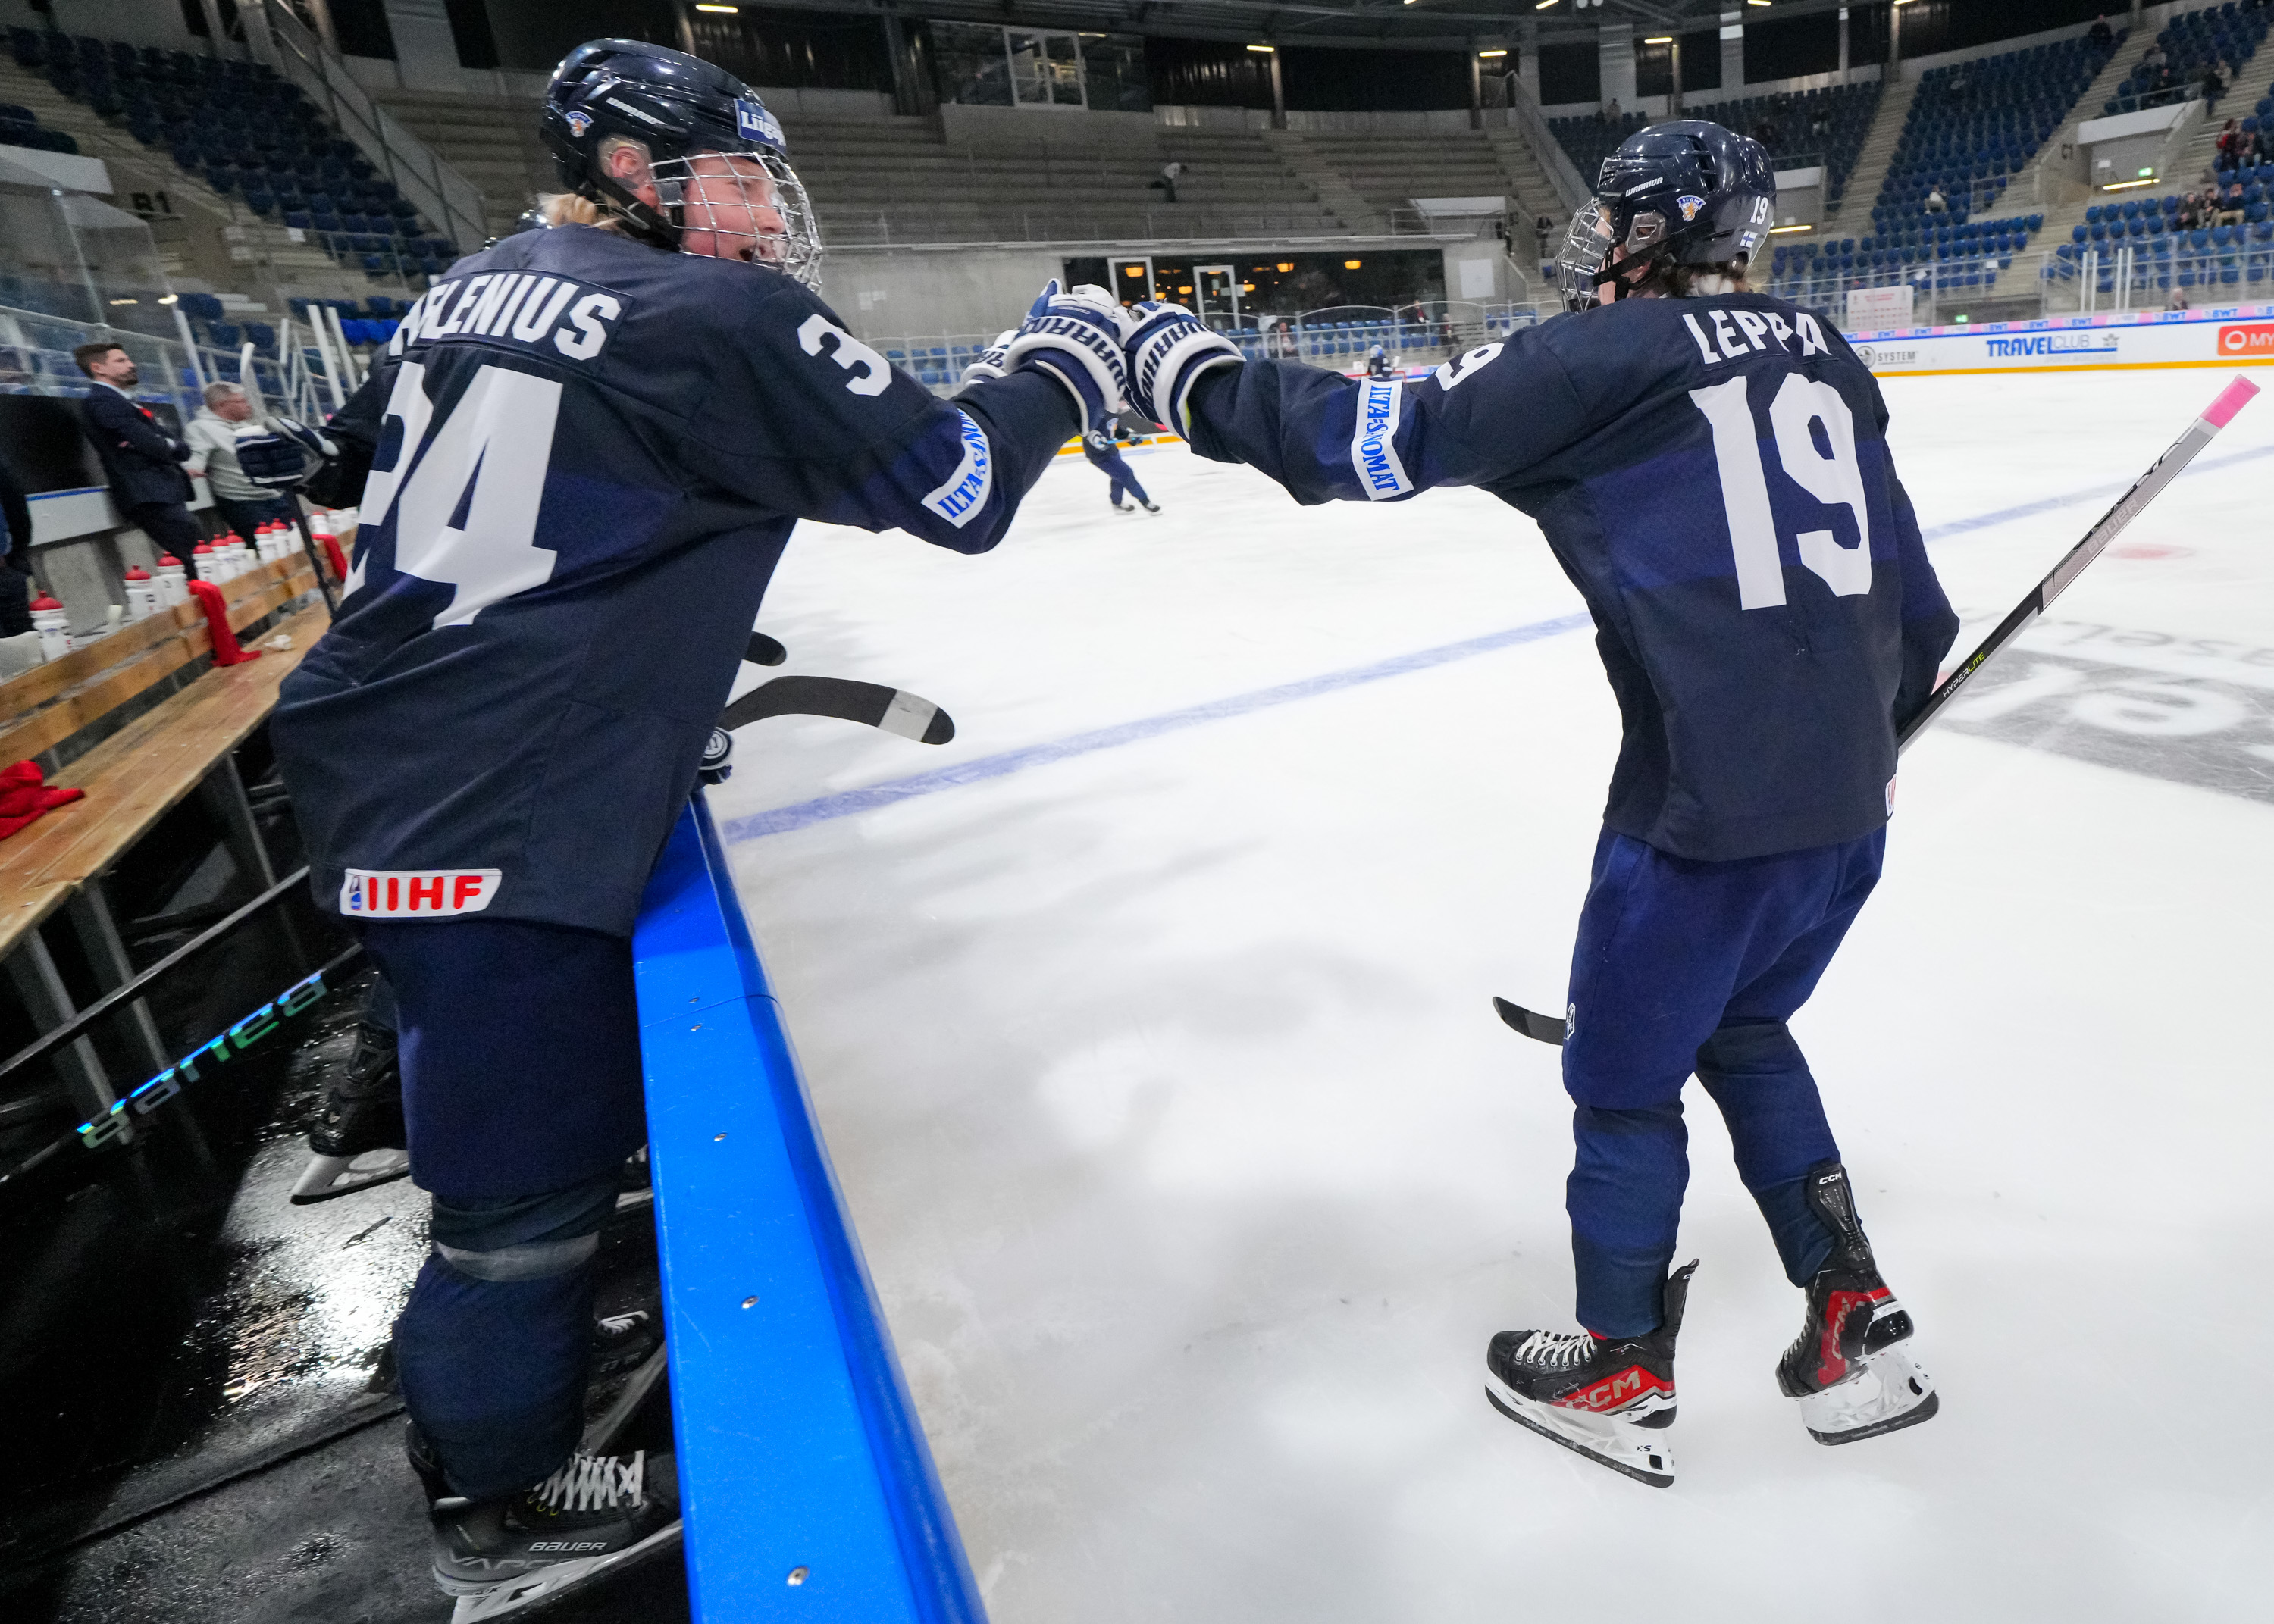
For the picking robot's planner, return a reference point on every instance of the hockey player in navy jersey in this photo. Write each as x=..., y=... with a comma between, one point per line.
x=588, y=445
x=1709, y=467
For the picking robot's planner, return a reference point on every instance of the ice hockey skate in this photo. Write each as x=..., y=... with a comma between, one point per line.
x=1610, y=1398
x=358, y=1139
x=1852, y=1367
x=609, y=1506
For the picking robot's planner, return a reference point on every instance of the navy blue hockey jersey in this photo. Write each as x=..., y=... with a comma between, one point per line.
x=1712, y=474
x=589, y=455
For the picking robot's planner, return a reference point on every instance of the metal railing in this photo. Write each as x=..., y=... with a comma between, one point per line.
x=1143, y=225
x=450, y=202
x=2038, y=283
x=295, y=376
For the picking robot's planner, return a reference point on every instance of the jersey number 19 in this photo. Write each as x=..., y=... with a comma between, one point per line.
x=1826, y=469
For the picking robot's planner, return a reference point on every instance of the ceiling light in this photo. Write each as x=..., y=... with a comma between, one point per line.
x=1660, y=39
x=728, y=11
x=1489, y=54
x=1350, y=265
x=1781, y=230
x=123, y=301
x=1543, y=5
x=1266, y=49
x=1287, y=264
x=169, y=299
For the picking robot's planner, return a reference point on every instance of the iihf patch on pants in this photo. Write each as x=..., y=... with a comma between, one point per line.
x=417, y=893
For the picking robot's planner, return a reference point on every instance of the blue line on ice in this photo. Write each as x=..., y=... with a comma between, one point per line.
x=781, y=820
x=2006, y=515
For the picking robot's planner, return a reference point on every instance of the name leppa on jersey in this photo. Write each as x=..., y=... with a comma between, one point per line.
x=1723, y=333
x=518, y=308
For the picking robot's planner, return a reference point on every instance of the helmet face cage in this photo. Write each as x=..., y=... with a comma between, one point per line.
x=724, y=198
x=1580, y=268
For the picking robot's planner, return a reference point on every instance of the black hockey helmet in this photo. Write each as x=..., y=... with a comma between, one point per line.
x=1682, y=192
x=677, y=108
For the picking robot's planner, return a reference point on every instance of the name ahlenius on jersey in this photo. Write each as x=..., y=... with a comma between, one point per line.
x=517, y=307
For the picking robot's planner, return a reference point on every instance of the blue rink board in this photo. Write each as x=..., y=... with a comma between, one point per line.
x=799, y=1448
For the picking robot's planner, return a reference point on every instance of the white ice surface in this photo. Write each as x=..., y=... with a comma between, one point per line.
x=1194, y=1170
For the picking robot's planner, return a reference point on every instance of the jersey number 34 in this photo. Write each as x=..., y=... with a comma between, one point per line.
x=1826, y=469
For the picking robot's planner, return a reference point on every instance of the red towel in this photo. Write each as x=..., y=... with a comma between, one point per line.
x=225, y=651
x=24, y=796
x=339, y=559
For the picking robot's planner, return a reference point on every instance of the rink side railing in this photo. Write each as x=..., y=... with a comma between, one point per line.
x=807, y=1485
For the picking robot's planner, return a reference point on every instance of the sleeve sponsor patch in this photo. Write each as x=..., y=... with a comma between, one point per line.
x=960, y=500
x=1374, y=440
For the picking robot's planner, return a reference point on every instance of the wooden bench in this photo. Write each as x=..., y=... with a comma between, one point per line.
x=182, y=744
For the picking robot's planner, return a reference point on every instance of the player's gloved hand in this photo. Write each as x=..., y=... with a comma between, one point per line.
x=1169, y=350
x=993, y=361
x=1079, y=339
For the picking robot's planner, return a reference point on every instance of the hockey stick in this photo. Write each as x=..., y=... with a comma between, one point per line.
x=763, y=650
x=869, y=703
x=2167, y=467
x=2128, y=507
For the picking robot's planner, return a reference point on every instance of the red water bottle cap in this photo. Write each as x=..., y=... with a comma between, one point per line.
x=44, y=602
x=166, y=558
x=137, y=573
x=201, y=547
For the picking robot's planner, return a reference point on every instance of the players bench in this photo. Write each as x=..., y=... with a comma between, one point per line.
x=140, y=720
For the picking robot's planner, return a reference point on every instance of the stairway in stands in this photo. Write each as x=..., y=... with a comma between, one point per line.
x=491, y=140
x=1880, y=144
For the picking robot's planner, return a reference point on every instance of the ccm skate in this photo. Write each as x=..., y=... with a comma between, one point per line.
x=1851, y=1367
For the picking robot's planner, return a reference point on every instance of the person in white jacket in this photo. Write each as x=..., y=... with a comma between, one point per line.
x=244, y=506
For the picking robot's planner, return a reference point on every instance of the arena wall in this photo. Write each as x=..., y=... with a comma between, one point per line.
x=2227, y=335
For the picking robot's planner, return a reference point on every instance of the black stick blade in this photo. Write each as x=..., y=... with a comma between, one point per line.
x=871, y=705
x=1544, y=1028
x=763, y=650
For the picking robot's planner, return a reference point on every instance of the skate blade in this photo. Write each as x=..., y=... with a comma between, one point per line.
x=1635, y=1451
x=1890, y=1393
x=550, y=1583
x=326, y=1178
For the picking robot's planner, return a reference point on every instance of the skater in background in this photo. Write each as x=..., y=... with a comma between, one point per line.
x=1102, y=446
x=597, y=435
x=1709, y=467
x=1378, y=364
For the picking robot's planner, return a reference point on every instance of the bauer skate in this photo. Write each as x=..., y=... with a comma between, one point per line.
x=1609, y=1399
x=1851, y=1367
x=359, y=1140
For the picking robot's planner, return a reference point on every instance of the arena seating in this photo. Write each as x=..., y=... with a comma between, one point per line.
x=1784, y=123
x=1973, y=125
x=244, y=132
x=19, y=126
x=2223, y=36
x=2164, y=257
x=1947, y=257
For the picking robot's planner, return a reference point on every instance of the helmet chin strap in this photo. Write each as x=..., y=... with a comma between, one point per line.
x=658, y=230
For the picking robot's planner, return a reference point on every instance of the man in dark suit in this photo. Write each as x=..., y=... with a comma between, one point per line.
x=142, y=461
x=16, y=563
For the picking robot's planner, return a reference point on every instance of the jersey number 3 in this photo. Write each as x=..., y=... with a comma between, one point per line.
x=1835, y=480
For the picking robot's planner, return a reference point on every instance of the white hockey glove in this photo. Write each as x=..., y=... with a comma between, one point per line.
x=1168, y=352
x=1078, y=338
x=993, y=361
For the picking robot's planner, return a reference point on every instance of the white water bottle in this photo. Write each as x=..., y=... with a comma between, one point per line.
x=173, y=581
x=52, y=621
x=142, y=594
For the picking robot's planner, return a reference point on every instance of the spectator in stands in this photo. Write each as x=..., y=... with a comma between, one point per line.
x=1936, y=203
x=245, y=507
x=2212, y=86
x=2191, y=216
x=2229, y=138
x=1170, y=174
x=2231, y=204
x=141, y=461
x=2100, y=36
x=1819, y=124
x=2152, y=60
x=15, y=555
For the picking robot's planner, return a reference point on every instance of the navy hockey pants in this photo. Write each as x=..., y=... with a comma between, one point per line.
x=1685, y=967
x=1118, y=471
x=521, y=1086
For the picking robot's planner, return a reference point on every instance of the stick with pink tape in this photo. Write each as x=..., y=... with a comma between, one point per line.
x=2198, y=434
x=2231, y=399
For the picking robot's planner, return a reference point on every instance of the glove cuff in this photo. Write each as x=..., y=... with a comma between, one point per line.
x=1091, y=345
x=1164, y=366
